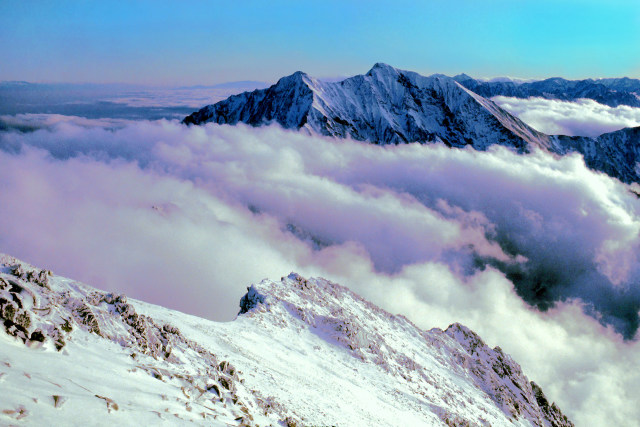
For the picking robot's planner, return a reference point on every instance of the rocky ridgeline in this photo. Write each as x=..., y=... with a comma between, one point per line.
x=41, y=314
x=384, y=106
x=499, y=375
x=375, y=336
x=452, y=375
x=612, y=91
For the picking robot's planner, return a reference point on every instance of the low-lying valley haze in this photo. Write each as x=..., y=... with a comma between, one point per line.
x=446, y=163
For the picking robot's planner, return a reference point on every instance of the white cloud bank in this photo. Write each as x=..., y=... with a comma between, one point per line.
x=186, y=217
x=584, y=117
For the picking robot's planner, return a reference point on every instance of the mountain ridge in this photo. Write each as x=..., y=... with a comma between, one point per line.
x=385, y=106
x=391, y=106
x=71, y=352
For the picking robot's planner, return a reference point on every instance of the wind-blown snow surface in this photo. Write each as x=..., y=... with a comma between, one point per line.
x=302, y=352
x=403, y=226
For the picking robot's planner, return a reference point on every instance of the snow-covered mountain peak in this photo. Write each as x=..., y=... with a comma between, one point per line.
x=384, y=106
x=391, y=106
x=380, y=68
x=296, y=78
x=72, y=353
x=462, y=77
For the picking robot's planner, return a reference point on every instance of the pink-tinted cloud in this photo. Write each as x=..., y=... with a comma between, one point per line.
x=186, y=217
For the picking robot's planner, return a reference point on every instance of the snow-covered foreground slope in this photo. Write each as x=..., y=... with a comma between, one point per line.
x=301, y=352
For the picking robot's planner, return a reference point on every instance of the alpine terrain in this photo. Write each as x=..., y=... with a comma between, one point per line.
x=301, y=352
x=611, y=92
x=392, y=106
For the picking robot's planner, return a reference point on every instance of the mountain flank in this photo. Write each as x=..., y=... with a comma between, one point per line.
x=392, y=106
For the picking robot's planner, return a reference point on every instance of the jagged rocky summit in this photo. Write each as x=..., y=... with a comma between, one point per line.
x=301, y=352
x=392, y=106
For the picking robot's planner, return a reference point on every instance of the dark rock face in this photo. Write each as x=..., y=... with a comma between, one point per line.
x=615, y=153
x=551, y=411
x=251, y=300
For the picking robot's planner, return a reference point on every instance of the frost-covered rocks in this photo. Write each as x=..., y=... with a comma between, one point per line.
x=301, y=352
x=61, y=332
x=395, y=359
x=502, y=378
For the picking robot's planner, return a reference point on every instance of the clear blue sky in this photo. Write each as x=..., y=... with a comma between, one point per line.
x=206, y=42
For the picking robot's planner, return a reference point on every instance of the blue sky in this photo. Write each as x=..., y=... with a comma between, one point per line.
x=208, y=42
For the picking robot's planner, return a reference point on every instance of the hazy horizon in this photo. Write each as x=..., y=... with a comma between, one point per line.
x=267, y=82
x=188, y=43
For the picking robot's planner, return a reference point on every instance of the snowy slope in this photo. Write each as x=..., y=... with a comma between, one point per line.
x=74, y=356
x=300, y=352
x=384, y=106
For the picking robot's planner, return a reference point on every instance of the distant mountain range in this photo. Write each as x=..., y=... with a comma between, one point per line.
x=392, y=106
x=611, y=92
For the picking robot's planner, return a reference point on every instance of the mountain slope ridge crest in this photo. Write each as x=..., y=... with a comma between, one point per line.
x=294, y=331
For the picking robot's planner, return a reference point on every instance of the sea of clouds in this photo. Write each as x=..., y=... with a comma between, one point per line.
x=537, y=254
x=583, y=117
